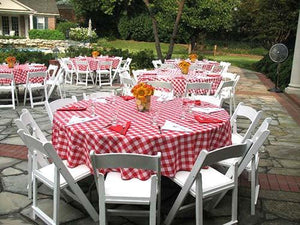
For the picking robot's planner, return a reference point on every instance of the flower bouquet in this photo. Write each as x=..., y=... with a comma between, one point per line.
x=95, y=54
x=184, y=66
x=193, y=57
x=142, y=93
x=10, y=60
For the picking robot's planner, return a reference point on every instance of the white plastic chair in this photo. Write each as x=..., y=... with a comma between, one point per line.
x=30, y=87
x=228, y=76
x=191, y=88
x=104, y=72
x=125, y=66
x=157, y=63
x=204, y=183
x=114, y=190
x=83, y=72
x=57, y=81
x=56, y=104
x=243, y=111
x=250, y=162
x=56, y=176
x=226, y=66
x=116, y=70
x=69, y=69
x=11, y=87
x=28, y=124
x=137, y=73
x=228, y=93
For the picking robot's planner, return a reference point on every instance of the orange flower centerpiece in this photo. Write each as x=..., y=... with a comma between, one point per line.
x=10, y=60
x=95, y=54
x=193, y=57
x=142, y=93
x=184, y=66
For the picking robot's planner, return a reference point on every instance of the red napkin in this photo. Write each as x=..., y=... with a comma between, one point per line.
x=72, y=108
x=213, y=75
x=127, y=98
x=196, y=102
x=202, y=119
x=120, y=129
x=149, y=74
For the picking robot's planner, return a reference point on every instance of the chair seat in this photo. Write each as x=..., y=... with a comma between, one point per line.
x=236, y=139
x=2, y=87
x=138, y=190
x=212, y=180
x=78, y=173
x=34, y=85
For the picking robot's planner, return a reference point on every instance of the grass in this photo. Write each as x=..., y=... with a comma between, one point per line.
x=241, y=57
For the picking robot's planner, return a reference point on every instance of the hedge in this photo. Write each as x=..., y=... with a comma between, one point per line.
x=46, y=34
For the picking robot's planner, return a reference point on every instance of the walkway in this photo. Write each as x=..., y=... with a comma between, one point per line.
x=279, y=199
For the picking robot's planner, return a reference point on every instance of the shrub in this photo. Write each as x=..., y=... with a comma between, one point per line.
x=269, y=68
x=46, y=34
x=11, y=37
x=81, y=34
x=65, y=27
x=26, y=56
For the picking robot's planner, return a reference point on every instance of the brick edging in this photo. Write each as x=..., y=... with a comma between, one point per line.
x=13, y=151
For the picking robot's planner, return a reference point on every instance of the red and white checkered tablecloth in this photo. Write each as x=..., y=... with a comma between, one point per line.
x=179, y=150
x=20, y=73
x=179, y=80
x=94, y=61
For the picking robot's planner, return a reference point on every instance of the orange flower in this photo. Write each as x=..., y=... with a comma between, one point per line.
x=10, y=59
x=184, y=64
x=95, y=54
x=193, y=56
x=141, y=90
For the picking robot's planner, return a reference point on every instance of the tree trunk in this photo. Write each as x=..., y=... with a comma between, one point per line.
x=155, y=31
x=175, y=29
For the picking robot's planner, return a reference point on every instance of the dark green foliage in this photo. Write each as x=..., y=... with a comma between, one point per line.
x=141, y=59
x=64, y=27
x=26, y=56
x=46, y=34
x=269, y=68
x=11, y=37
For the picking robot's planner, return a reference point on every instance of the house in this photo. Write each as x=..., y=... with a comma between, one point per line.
x=17, y=17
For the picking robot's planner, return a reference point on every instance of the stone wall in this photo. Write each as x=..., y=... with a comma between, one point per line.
x=45, y=45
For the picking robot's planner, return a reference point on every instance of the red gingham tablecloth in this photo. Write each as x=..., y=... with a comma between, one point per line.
x=179, y=80
x=20, y=73
x=94, y=61
x=179, y=150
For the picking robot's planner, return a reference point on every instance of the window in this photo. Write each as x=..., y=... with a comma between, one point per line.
x=15, y=25
x=40, y=23
x=5, y=25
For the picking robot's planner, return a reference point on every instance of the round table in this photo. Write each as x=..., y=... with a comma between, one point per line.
x=179, y=150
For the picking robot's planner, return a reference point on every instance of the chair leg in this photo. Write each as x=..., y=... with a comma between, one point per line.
x=199, y=202
x=13, y=97
x=56, y=197
x=29, y=169
x=31, y=98
x=25, y=96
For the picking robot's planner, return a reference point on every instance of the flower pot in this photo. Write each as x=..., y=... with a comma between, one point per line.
x=143, y=105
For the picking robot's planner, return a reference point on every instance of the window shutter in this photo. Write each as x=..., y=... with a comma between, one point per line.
x=34, y=22
x=46, y=22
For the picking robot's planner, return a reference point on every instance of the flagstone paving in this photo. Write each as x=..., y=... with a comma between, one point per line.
x=279, y=199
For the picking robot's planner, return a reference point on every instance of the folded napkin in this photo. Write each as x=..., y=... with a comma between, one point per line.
x=207, y=110
x=202, y=119
x=213, y=75
x=165, y=96
x=121, y=129
x=195, y=102
x=76, y=119
x=173, y=126
x=72, y=108
x=127, y=98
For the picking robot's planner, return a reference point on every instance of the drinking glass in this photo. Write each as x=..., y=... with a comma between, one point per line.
x=154, y=115
x=114, y=112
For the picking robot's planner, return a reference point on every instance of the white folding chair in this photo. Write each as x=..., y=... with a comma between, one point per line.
x=56, y=104
x=127, y=85
x=104, y=72
x=116, y=70
x=205, y=183
x=228, y=76
x=69, y=69
x=225, y=66
x=83, y=72
x=162, y=88
x=242, y=111
x=56, y=82
x=228, y=93
x=28, y=124
x=137, y=73
x=114, y=190
x=125, y=65
x=11, y=87
x=157, y=63
x=56, y=176
x=31, y=86
x=250, y=162
x=168, y=66
x=216, y=99
x=192, y=88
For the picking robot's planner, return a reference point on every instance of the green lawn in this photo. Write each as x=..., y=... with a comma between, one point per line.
x=181, y=51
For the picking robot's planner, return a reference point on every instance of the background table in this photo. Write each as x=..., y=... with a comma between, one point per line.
x=93, y=62
x=20, y=73
x=179, y=80
x=179, y=149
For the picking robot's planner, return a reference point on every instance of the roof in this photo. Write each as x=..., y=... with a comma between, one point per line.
x=41, y=6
